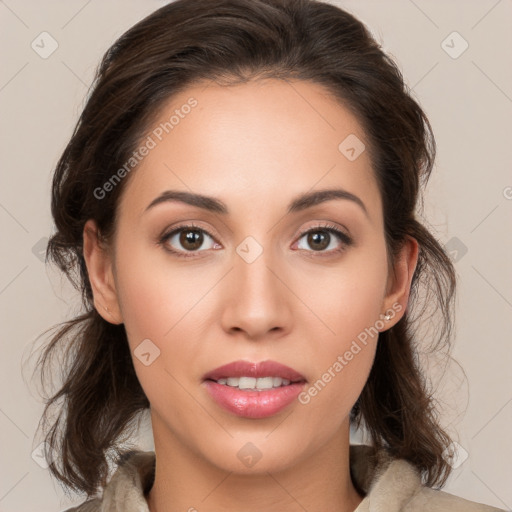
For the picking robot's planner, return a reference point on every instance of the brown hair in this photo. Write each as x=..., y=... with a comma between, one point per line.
x=229, y=42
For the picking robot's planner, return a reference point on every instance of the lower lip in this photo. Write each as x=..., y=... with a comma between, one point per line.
x=253, y=404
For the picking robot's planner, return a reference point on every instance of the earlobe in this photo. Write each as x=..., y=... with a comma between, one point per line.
x=399, y=282
x=98, y=261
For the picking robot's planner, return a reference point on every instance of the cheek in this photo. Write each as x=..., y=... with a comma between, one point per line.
x=157, y=305
x=349, y=304
x=166, y=305
x=332, y=395
x=344, y=353
x=348, y=297
x=154, y=295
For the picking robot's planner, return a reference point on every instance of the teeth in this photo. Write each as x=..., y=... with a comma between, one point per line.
x=267, y=382
x=260, y=383
x=246, y=382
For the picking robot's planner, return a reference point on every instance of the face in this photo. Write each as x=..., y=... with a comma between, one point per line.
x=255, y=273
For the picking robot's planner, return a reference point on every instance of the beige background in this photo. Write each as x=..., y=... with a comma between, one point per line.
x=468, y=98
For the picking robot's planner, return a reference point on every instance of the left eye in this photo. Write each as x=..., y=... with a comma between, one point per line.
x=321, y=239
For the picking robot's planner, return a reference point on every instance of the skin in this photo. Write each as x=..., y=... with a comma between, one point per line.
x=254, y=146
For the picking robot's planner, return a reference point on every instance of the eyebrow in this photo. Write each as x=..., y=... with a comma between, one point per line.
x=300, y=203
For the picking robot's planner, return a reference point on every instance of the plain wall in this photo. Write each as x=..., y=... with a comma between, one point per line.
x=468, y=99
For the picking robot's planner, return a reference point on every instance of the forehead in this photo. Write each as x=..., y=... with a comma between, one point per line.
x=256, y=143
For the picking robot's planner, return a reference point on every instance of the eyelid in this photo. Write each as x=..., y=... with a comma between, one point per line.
x=333, y=228
x=167, y=232
x=341, y=234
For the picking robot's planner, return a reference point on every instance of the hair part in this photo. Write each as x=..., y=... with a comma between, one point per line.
x=231, y=42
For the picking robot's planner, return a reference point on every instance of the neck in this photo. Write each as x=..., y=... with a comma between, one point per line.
x=184, y=481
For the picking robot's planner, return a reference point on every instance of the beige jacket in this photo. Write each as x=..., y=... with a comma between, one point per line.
x=389, y=485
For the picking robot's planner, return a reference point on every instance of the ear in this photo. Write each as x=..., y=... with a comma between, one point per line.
x=399, y=283
x=99, y=263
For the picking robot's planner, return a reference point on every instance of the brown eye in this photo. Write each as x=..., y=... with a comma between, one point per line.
x=191, y=239
x=318, y=240
x=187, y=239
x=324, y=239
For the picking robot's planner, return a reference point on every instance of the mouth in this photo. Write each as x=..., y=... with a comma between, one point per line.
x=254, y=390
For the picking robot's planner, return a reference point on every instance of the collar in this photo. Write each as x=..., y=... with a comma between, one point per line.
x=387, y=483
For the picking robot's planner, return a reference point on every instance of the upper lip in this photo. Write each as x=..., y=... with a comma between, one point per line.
x=251, y=369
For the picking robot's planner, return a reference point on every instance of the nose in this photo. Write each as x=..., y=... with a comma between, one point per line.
x=257, y=301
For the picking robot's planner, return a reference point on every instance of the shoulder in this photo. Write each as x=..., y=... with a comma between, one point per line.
x=127, y=488
x=395, y=485
x=440, y=501
x=93, y=505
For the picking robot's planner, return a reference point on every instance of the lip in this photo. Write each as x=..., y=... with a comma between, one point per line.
x=249, y=369
x=254, y=404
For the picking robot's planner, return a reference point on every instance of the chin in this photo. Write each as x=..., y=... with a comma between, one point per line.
x=257, y=454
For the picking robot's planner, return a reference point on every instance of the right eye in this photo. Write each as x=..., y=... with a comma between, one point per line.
x=190, y=237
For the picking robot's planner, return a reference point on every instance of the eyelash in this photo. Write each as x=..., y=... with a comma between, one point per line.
x=345, y=240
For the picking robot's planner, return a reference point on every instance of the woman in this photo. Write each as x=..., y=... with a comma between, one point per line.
x=237, y=207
